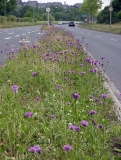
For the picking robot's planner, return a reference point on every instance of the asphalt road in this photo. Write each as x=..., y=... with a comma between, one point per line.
x=101, y=44
x=14, y=36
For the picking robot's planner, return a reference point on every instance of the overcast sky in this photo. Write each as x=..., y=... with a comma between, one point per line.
x=69, y=2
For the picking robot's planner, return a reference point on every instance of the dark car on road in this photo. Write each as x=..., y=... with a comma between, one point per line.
x=71, y=24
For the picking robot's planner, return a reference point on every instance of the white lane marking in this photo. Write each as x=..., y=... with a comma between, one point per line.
x=29, y=32
x=17, y=36
x=99, y=36
x=8, y=38
x=33, y=31
x=113, y=40
x=11, y=33
x=36, y=30
x=23, y=34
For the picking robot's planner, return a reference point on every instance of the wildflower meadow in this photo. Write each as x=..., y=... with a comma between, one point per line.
x=53, y=103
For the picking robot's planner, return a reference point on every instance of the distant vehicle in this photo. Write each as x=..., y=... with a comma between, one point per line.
x=64, y=22
x=60, y=23
x=71, y=24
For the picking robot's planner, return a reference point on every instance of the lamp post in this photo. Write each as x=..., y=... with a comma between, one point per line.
x=110, y=9
x=4, y=11
x=33, y=12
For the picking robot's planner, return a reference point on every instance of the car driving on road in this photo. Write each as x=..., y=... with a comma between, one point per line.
x=71, y=24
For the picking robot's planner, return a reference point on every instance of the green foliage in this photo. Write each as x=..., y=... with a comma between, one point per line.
x=7, y=6
x=56, y=59
x=1, y=19
x=104, y=16
x=90, y=7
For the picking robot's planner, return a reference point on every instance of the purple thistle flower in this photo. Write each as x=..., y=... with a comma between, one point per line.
x=104, y=96
x=83, y=73
x=84, y=123
x=92, y=112
x=71, y=127
x=100, y=126
x=77, y=128
x=100, y=103
x=28, y=114
x=76, y=95
x=52, y=116
x=35, y=149
x=15, y=88
x=102, y=57
x=37, y=99
x=96, y=99
x=34, y=74
x=91, y=96
x=67, y=148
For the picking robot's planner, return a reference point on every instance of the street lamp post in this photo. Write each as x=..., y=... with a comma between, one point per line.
x=33, y=12
x=4, y=11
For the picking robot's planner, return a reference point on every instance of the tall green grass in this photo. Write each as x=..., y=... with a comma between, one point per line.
x=58, y=84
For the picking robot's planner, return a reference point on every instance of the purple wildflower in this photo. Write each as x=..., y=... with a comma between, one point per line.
x=84, y=123
x=104, y=96
x=37, y=99
x=34, y=74
x=83, y=73
x=92, y=112
x=15, y=88
x=52, y=116
x=100, y=126
x=100, y=103
x=77, y=128
x=28, y=114
x=35, y=149
x=71, y=127
x=96, y=99
x=91, y=96
x=76, y=95
x=67, y=148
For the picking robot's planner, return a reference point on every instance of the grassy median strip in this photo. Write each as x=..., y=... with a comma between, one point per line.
x=53, y=102
x=115, y=28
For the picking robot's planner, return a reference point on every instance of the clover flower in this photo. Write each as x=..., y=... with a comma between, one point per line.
x=15, y=88
x=35, y=149
x=28, y=114
x=67, y=148
x=84, y=123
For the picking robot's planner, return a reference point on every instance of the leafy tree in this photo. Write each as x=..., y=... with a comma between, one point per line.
x=104, y=16
x=90, y=7
x=7, y=6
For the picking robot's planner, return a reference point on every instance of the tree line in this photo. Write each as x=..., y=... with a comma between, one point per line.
x=104, y=15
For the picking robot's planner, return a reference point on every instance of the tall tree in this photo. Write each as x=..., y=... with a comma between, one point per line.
x=90, y=7
x=6, y=6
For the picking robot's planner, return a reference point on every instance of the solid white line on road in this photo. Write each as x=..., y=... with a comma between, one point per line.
x=8, y=38
x=40, y=33
x=99, y=36
x=113, y=40
x=17, y=36
x=23, y=34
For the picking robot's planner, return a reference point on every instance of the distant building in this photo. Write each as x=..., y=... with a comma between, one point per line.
x=45, y=5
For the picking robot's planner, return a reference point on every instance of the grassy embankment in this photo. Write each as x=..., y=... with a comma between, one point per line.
x=115, y=28
x=52, y=95
x=22, y=24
